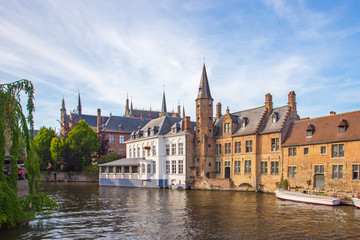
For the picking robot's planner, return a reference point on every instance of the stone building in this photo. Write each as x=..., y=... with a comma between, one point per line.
x=157, y=156
x=240, y=150
x=323, y=153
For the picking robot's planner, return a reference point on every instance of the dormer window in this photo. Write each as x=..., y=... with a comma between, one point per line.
x=227, y=127
x=244, y=122
x=274, y=118
x=310, y=130
x=120, y=127
x=342, y=126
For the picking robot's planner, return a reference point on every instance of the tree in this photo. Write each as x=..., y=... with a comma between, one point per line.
x=83, y=140
x=14, y=125
x=103, y=144
x=76, y=151
x=42, y=144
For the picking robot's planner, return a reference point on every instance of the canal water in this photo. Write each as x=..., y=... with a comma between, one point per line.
x=89, y=211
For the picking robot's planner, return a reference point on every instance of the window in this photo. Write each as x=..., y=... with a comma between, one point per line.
x=292, y=152
x=121, y=139
x=337, y=172
x=263, y=167
x=337, y=150
x=181, y=166
x=134, y=151
x=237, y=167
x=292, y=171
x=309, y=133
x=143, y=168
x=227, y=127
x=341, y=129
x=319, y=169
x=154, y=150
x=143, y=151
x=130, y=152
x=356, y=172
x=167, y=167
x=243, y=122
x=275, y=167
x=323, y=149
x=118, y=169
x=173, y=149
x=247, y=167
x=126, y=169
x=227, y=148
x=306, y=151
x=154, y=167
x=167, y=149
x=111, y=169
x=237, y=147
x=148, y=168
x=134, y=169
x=102, y=169
x=173, y=166
x=274, y=144
x=249, y=146
x=227, y=163
x=218, y=149
x=111, y=138
x=138, y=151
x=217, y=167
x=181, y=148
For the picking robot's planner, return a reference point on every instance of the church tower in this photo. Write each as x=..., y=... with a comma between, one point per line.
x=79, y=108
x=205, y=149
x=64, y=123
x=163, y=106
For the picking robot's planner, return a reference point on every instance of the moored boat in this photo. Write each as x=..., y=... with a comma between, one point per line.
x=307, y=198
x=356, y=202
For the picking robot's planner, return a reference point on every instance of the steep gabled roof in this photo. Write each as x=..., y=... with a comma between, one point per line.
x=280, y=114
x=325, y=130
x=204, y=88
x=253, y=117
x=128, y=124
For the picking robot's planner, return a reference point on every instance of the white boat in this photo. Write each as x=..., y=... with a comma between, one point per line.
x=307, y=198
x=356, y=202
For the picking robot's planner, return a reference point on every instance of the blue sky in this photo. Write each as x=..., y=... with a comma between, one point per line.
x=108, y=49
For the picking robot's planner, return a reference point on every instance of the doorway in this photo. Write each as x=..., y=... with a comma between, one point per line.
x=227, y=172
x=319, y=181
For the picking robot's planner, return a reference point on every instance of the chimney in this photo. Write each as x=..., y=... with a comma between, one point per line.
x=175, y=115
x=187, y=127
x=98, y=123
x=292, y=104
x=332, y=113
x=218, y=110
x=268, y=102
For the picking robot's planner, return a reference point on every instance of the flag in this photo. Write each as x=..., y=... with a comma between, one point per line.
x=49, y=165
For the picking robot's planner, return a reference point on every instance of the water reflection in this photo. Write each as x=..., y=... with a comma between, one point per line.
x=88, y=211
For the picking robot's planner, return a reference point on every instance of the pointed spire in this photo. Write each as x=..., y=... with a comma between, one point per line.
x=79, y=104
x=163, y=105
x=131, y=107
x=204, y=88
x=63, y=104
x=183, y=112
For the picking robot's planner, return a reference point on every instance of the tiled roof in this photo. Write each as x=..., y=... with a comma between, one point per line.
x=279, y=114
x=325, y=129
x=124, y=124
x=92, y=119
x=253, y=118
x=145, y=113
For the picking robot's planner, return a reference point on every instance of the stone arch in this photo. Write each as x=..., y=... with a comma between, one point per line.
x=246, y=187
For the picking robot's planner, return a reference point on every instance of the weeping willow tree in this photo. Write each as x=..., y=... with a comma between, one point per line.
x=19, y=128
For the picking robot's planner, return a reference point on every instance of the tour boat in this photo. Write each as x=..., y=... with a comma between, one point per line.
x=307, y=198
x=356, y=202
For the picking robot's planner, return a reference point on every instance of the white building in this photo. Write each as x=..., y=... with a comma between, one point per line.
x=156, y=156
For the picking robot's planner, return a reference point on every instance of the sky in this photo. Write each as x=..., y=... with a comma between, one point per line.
x=106, y=50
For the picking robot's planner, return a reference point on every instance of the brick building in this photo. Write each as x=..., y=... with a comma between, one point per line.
x=323, y=153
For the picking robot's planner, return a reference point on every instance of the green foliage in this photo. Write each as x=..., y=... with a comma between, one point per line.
x=14, y=125
x=42, y=146
x=108, y=158
x=284, y=184
x=93, y=170
x=77, y=151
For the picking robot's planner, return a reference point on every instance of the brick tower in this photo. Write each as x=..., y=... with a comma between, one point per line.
x=205, y=149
